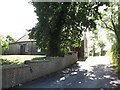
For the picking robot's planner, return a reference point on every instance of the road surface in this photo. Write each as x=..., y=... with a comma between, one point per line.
x=95, y=72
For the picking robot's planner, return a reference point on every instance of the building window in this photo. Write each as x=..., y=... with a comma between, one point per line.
x=26, y=48
x=39, y=50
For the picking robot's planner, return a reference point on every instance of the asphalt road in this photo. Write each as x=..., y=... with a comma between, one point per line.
x=95, y=72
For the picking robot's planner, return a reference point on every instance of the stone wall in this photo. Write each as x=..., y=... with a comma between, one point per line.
x=34, y=69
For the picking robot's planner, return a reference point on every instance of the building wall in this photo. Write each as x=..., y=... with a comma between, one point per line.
x=80, y=50
x=83, y=50
x=29, y=48
x=13, y=49
x=85, y=47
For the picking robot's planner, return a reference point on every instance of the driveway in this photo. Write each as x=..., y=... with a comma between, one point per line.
x=95, y=72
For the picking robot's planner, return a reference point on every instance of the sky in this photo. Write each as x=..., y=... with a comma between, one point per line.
x=15, y=17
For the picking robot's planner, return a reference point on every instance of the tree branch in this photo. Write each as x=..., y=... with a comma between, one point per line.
x=114, y=26
x=107, y=25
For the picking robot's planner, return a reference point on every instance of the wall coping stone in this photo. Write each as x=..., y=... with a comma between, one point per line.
x=35, y=61
x=14, y=66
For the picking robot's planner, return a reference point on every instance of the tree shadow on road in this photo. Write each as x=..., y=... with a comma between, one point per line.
x=99, y=76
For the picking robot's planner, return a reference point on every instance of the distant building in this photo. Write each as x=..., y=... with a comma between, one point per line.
x=85, y=41
x=23, y=46
x=26, y=46
x=83, y=50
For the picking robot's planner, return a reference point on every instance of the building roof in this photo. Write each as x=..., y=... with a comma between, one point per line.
x=24, y=38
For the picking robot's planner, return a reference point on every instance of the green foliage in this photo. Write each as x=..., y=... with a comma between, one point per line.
x=111, y=36
x=1, y=37
x=117, y=69
x=101, y=44
x=8, y=62
x=115, y=57
x=4, y=44
x=112, y=23
x=94, y=39
x=97, y=42
x=114, y=50
x=61, y=24
x=10, y=39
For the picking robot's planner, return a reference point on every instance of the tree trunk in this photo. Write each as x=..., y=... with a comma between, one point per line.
x=118, y=32
x=55, y=35
x=54, y=44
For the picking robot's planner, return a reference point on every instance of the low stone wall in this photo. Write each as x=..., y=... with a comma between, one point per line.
x=15, y=75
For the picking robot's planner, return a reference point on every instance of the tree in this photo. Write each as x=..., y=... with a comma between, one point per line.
x=94, y=38
x=4, y=44
x=101, y=44
x=97, y=37
x=112, y=24
x=61, y=24
x=10, y=39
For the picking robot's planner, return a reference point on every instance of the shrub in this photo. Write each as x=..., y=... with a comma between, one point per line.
x=117, y=69
x=7, y=62
x=115, y=57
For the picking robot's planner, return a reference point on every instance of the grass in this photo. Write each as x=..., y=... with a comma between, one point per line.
x=19, y=59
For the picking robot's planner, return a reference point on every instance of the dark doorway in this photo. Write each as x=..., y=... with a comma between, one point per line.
x=22, y=49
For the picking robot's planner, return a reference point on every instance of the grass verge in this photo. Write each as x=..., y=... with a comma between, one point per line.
x=19, y=59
